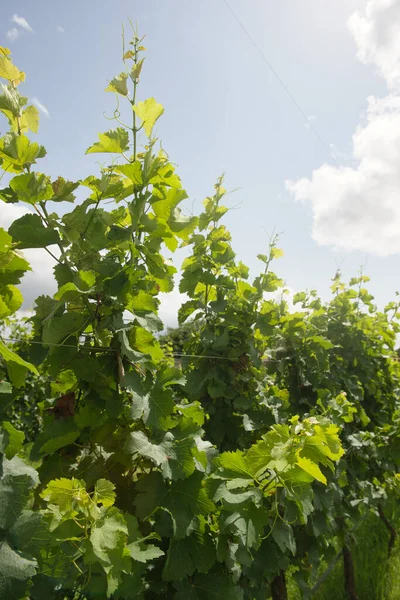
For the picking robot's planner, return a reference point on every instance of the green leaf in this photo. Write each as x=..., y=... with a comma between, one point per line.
x=165, y=207
x=132, y=170
x=259, y=456
x=234, y=465
x=182, y=499
x=5, y=241
x=185, y=556
x=65, y=493
x=148, y=111
x=68, y=291
x=16, y=482
x=104, y=492
x=30, y=119
x=137, y=69
x=118, y=85
x=15, y=439
x=144, y=552
x=234, y=499
x=62, y=190
x=142, y=302
x=145, y=342
x=311, y=468
x=10, y=72
x=168, y=376
x=210, y=586
x=28, y=531
x=11, y=101
x=10, y=300
x=87, y=279
x=15, y=571
x=55, y=436
x=321, y=341
x=139, y=443
x=17, y=151
x=30, y=232
x=115, y=140
x=299, y=297
x=58, y=328
x=277, y=253
x=156, y=408
x=247, y=525
x=108, y=533
x=108, y=186
x=5, y=387
x=17, y=374
x=32, y=187
x=173, y=456
x=282, y=534
x=10, y=356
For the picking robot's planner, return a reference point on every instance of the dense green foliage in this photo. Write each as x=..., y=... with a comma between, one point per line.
x=261, y=451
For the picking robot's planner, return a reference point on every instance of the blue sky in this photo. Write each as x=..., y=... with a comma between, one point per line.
x=226, y=112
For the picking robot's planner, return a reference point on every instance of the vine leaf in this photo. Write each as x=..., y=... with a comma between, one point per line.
x=115, y=140
x=17, y=151
x=193, y=553
x=29, y=232
x=183, y=499
x=148, y=111
x=10, y=300
x=173, y=456
x=10, y=356
x=14, y=572
x=32, y=187
x=283, y=536
x=65, y=493
x=133, y=171
x=118, y=85
x=15, y=439
x=104, y=492
x=108, y=539
x=311, y=468
x=144, y=553
x=208, y=586
x=10, y=72
x=62, y=190
x=30, y=119
x=15, y=485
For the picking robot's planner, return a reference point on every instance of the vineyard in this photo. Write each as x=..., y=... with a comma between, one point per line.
x=239, y=462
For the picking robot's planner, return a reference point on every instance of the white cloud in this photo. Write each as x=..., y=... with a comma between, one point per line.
x=170, y=303
x=376, y=33
x=41, y=107
x=11, y=212
x=60, y=29
x=12, y=34
x=357, y=207
x=40, y=281
x=22, y=22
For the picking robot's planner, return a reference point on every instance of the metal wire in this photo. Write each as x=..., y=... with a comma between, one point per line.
x=282, y=83
x=101, y=349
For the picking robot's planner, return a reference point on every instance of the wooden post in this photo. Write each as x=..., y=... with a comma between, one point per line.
x=349, y=579
x=278, y=587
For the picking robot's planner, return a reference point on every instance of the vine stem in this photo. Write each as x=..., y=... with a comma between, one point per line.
x=391, y=530
x=134, y=129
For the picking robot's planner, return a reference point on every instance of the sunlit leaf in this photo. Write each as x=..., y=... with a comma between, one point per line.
x=149, y=111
